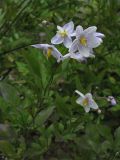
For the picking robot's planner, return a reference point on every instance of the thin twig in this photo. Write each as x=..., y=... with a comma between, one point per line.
x=15, y=49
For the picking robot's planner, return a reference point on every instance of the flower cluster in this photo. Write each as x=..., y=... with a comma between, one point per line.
x=79, y=42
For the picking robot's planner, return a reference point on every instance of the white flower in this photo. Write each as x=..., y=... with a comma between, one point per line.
x=64, y=35
x=86, y=101
x=50, y=50
x=75, y=56
x=86, y=40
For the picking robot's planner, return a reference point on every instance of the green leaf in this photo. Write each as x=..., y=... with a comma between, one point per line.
x=7, y=148
x=117, y=139
x=22, y=68
x=39, y=67
x=115, y=108
x=43, y=116
x=9, y=93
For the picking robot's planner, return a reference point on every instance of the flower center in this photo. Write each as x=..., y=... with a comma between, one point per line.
x=83, y=41
x=63, y=33
x=49, y=52
x=85, y=102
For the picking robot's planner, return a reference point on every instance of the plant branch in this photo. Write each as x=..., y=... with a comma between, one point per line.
x=15, y=49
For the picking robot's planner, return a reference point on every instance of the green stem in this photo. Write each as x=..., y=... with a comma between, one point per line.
x=15, y=49
x=41, y=101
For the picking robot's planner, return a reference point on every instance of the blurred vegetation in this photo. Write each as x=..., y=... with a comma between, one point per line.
x=39, y=118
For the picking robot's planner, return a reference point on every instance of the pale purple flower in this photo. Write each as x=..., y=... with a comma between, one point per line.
x=50, y=50
x=75, y=56
x=86, y=101
x=64, y=35
x=86, y=40
x=112, y=100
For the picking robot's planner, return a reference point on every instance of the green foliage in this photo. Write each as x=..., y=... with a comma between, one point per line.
x=39, y=118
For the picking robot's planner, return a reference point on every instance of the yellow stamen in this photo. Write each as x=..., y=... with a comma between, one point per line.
x=83, y=41
x=63, y=33
x=85, y=102
x=49, y=52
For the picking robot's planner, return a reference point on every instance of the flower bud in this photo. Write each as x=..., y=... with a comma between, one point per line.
x=112, y=100
x=99, y=111
x=44, y=22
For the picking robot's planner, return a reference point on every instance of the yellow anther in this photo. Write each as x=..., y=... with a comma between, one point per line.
x=49, y=52
x=63, y=33
x=85, y=102
x=83, y=41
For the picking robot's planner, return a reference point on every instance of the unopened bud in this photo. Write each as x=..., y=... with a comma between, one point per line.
x=44, y=22
x=99, y=111
x=112, y=100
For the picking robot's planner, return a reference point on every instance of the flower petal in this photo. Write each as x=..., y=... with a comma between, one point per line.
x=79, y=93
x=100, y=40
x=66, y=56
x=79, y=31
x=74, y=46
x=84, y=51
x=92, y=55
x=90, y=30
x=93, y=41
x=73, y=34
x=79, y=101
x=77, y=56
x=94, y=105
x=69, y=27
x=91, y=51
x=100, y=35
x=41, y=46
x=57, y=54
x=60, y=28
x=57, y=39
x=87, y=109
x=67, y=42
x=89, y=96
